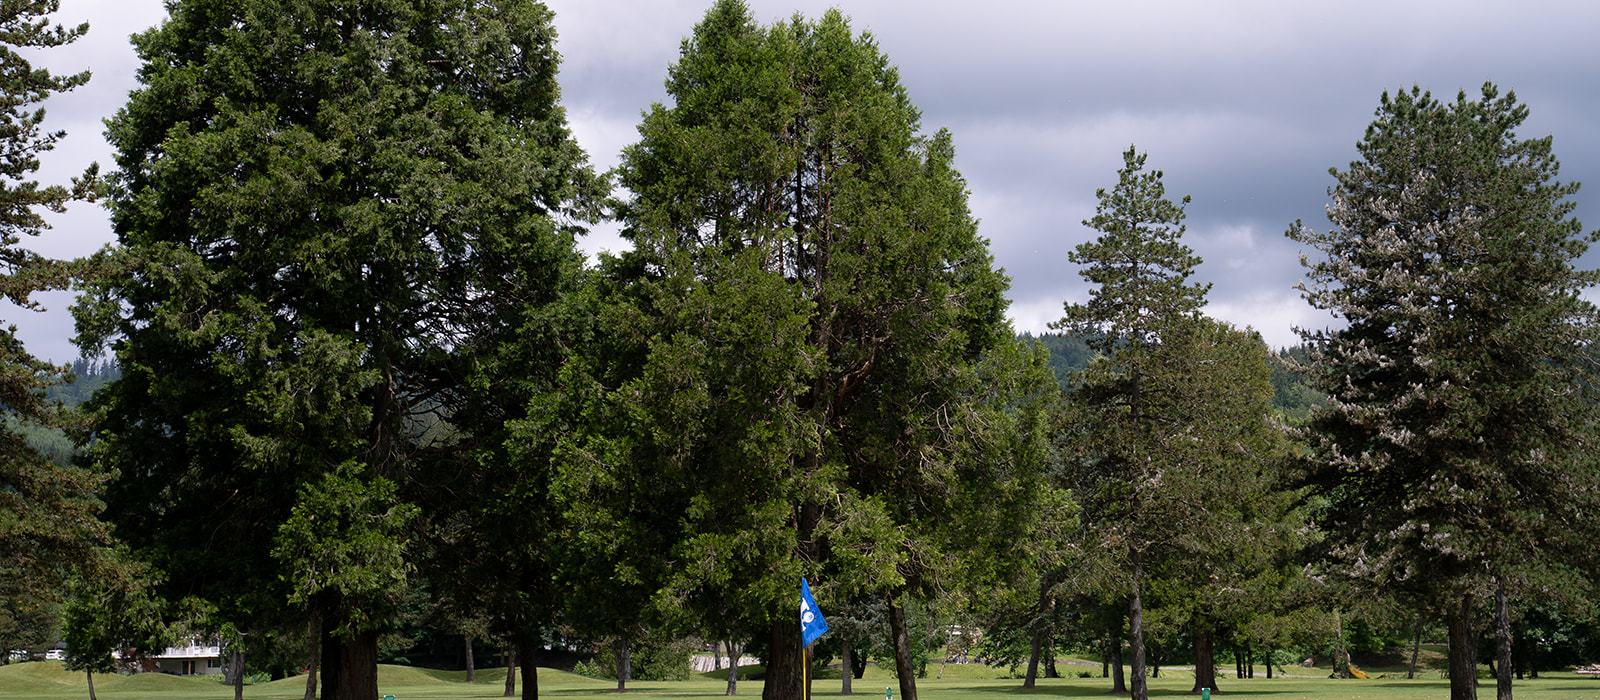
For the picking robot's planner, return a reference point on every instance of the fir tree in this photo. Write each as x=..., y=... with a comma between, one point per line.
x=1455, y=446
x=49, y=508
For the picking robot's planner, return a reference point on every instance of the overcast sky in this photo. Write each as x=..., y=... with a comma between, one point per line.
x=1244, y=105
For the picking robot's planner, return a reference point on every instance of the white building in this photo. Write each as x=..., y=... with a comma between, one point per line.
x=194, y=659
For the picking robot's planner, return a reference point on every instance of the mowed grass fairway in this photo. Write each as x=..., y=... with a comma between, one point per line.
x=47, y=680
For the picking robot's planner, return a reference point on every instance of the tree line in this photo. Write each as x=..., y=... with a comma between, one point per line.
x=367, y=384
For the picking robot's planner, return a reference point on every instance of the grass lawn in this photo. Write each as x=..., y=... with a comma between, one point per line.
x=47, y=680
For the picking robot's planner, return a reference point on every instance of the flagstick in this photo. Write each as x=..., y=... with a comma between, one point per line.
x=805, y=670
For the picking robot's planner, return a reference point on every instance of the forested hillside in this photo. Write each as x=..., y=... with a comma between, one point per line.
x=86, y=377
x=1291, y=395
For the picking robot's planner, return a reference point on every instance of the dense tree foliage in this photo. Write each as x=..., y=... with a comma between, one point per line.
x=367, y=402
x=110, y=608
x=332, y=219
x=821, y=380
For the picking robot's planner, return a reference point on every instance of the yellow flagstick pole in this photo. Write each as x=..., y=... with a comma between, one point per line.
x=805, y=670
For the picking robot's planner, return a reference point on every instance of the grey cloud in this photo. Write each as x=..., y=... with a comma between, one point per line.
x=106, y=53
x=1244, y=105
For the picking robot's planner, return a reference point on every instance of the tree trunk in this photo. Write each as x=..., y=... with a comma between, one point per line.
x=528, y=654
x=1136, y=630
x=716, y=656
x=1249, y=661
x=1502, y=639
x=314, y=631
x=1119, y=680
x=734, y=651
x=907, y=675
x=350, y=666
x=1463, y=653
x=472, y=669
x=328, y=652
x=624, y=656
x=89, y=674
x=1105, y=657
x=1516, y=665
x=1519, y=654
x=784, y=665
x=1041, y=631
x=1416, y=649
x=1528, y=661
x=1341, y=657
x=1268, y=655
x=1205, y=662
x=1050, y=670
x=846, y=667
x=511, y=674
x=237, y=669
x=1030, y=679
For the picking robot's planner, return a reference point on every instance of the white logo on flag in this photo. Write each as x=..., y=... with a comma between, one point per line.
x=806, y=616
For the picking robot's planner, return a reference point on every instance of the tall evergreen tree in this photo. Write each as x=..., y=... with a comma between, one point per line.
x=48, y=511
x=809, y=301
x=1142, y=300
x=330, y=218
x=1456, y=446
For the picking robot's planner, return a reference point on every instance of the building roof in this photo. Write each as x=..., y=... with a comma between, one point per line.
x=191, y=651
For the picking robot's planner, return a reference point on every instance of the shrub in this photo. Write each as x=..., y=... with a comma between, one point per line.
x=597, y=667
x=655, y=658
x=663, y=659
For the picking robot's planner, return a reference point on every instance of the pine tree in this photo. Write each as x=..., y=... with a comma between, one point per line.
x=1139, y=264
x=1453, y=447
x=50, y=509
x=332, y=219
x=1141, y=303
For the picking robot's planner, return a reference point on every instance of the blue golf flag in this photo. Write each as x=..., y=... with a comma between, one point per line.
x=811, y=623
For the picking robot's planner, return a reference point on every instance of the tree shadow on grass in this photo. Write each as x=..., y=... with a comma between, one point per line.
x=656, y=692
x=1576, y=687
x=1583, y=687
x=1067, y=691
